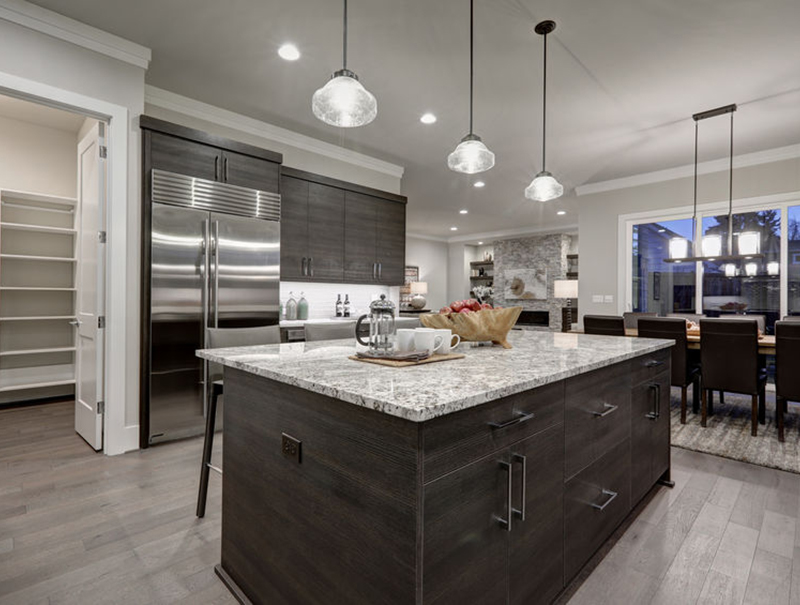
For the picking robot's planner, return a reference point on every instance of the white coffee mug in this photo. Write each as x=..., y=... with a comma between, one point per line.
x=426, y=339
x=405, y=340
x=449, y=340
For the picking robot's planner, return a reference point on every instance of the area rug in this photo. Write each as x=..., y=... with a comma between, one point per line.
x=728, y=432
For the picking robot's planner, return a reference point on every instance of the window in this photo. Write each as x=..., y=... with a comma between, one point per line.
x=750, y=286
x=659, y=286
x=793, y=262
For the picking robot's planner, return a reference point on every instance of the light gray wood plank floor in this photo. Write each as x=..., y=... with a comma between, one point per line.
x=78, y=527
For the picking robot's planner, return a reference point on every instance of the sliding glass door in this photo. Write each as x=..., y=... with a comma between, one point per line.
x=793, y=261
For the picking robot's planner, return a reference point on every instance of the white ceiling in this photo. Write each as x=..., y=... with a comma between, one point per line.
x=624, y=78
x=42, y=115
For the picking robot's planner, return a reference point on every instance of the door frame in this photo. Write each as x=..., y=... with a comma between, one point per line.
x=118, y=438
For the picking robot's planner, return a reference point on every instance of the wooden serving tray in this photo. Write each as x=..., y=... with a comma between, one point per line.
x=402, y=364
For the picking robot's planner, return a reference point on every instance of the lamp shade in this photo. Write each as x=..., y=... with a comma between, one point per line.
x=344, y=102
x=750, y=269
x=712, y=245
x=544, y=187
x=678, y=248
x=470, y=156
x=730, y=270
x=773, y=268
x=749, y=242
x=418, y=287
x=565, y=288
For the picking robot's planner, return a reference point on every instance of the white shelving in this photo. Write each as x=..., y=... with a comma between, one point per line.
x=38, y=240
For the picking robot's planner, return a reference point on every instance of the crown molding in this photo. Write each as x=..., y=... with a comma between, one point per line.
x=165, y=99
x=58, y=26
x=570, y=229
x=429, y=238
x=767, y=156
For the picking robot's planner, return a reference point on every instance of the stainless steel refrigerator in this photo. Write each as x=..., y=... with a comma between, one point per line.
x=215, y=262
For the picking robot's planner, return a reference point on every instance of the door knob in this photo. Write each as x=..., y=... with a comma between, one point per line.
x=75, y=322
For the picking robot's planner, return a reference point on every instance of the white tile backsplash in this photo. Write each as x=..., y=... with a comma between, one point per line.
x=322, y=297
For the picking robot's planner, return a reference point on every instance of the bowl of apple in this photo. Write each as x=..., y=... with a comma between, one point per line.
x=475, y=322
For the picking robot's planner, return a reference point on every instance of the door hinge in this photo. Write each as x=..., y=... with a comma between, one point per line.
x=101, y=322
x=101, y=407
x=103, y=151
x=102, y=237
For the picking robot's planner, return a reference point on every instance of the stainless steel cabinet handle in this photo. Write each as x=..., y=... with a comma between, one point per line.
x=611, y=496
x=653, y=363
x=380, y=270
x=216, y=168
x=521, y=417
x=311, y=266
x=305, y=266
x=608, y=410
x=520, y=512
x=506, y=523
x=225, y=168
x=374, y=270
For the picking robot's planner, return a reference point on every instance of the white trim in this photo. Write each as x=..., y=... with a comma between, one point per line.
x=509, y=233
x=116, y=433
x=767, y=156
x=216, y=115
x=58, y=26
x=429, y=238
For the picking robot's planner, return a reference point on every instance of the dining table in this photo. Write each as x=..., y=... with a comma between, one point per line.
x=766, y=342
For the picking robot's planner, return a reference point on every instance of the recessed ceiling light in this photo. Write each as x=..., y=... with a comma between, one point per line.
x=479, y=184
x=427, y=118
x=561, y=212
x=289, y=52
x=465, y=211
x=480, y=243
x=453, y=228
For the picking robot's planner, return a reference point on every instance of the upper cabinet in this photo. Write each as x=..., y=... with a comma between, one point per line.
x=332, y=231
x=194, y=153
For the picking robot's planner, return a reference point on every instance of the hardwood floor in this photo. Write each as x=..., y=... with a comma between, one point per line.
x=79, y=527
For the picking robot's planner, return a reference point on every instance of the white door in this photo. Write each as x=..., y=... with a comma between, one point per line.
x=90, y=285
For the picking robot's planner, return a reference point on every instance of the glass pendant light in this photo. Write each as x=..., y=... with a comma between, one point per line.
x=344, y=101
x=712, y=246
x=773, y=268
x=678, y=248
x=730, y=270
x=544, y=186
x=749, y=243
x=471, y=155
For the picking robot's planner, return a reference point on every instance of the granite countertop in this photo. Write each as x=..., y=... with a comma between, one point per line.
x=420, y=393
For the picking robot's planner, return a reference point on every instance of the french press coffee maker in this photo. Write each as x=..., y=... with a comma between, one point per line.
x=381, y=327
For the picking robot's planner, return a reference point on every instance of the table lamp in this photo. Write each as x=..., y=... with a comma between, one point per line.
x=418, y=290
x=566, y=288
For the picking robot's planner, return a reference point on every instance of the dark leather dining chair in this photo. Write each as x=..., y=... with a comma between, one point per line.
x=218, y=338
x=730, y=362
x=685, y=371
x=631, y=318
x=791, y=318
x=787, y=368
x=604, y=325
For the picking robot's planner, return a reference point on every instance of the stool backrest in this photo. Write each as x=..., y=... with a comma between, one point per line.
x=330, y=331
x=605, y=325
x=729, y=355
x=670, y=328
x=787, y=359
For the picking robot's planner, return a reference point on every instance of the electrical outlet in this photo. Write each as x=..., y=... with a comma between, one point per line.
x=608, y=298
x=290, y=447
x=597, y=298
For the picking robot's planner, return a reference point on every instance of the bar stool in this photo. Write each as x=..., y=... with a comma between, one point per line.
x=604, y=325
x=787, y=362
x=217, y=338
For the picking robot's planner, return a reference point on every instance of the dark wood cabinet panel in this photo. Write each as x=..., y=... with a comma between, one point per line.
x=183, y=156
x=465, y=549
x=326, y=233
x=391, y=242
x=595, y=503
x=294, y=228
x=360, y=262
x=248, y=171
x=650, y=436
x=536, y=544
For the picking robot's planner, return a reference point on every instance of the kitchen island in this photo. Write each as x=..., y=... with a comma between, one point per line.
x=489, y=479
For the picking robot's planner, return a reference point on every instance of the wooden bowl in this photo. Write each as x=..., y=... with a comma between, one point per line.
x=479, y=326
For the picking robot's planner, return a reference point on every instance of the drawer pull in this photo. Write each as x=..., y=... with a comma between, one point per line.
x=656, y=413
x=506, y=523
x=653, y=363
x=522, y=417
x=520, y=512
x=608, y=410
x=611, y=496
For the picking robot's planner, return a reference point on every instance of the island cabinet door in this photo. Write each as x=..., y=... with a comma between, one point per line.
x=465, y=546
x=536, y=539
x=650, y=437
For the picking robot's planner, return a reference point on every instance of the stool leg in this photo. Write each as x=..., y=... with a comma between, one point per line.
x=779, y=410
x=208, y=445
x=754, y=416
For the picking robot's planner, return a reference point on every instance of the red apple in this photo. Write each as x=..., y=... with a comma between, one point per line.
x=466, y=310
x=445, y=311
x=486, y=306
x=473, y=304
x=457, y=305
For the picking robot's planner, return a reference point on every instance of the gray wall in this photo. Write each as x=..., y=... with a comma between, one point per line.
x=431, y=258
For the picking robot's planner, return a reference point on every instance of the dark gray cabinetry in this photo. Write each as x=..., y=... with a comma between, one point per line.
x=312, y=231
x=375, y=240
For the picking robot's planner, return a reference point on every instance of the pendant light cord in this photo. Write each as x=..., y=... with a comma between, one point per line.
x=344, y=41
x=694, y=211
x=471, y=68
x=730, y=196
x=544, y=106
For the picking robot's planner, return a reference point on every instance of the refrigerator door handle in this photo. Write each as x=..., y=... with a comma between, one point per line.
x=215, y=252
x=205, y=267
